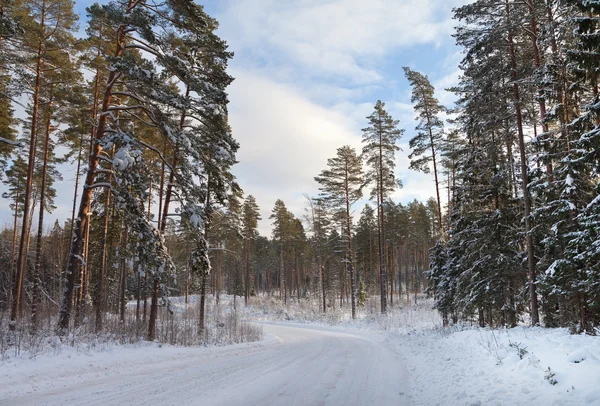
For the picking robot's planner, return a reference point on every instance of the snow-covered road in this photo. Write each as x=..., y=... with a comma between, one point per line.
x=294, y=366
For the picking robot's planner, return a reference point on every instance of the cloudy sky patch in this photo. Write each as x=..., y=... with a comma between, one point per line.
x=307, y=73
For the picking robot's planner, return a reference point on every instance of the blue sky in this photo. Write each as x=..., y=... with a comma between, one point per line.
x=307, y=73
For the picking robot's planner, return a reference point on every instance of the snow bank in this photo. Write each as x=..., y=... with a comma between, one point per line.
x=520, y=366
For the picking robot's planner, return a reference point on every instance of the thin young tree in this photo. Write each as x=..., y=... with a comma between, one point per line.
x=379, y=150
x=425, y=145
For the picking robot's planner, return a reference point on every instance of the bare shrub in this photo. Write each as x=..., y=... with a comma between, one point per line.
x=177, y=324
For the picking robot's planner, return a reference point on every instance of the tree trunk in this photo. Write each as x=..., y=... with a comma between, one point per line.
x=207, y=222
x=322, y=275
x=246, y=271
x=11, y=271
x=535, y=318
x=145, y=294
x=24, y=240
x=349, y=254
x=281, y=284
x=381, y=237
x=162, y=228
x=103, y=252
x=435, y=172
x=392, y=275
x=187, y=275
x=416, y=274
x=537, y=62
x=297, y=274
x=399, y=273
x=138, y=292
x=38, y=251
x=123, y=287
x=153, y=312
x=86, y=196
x=76, y=183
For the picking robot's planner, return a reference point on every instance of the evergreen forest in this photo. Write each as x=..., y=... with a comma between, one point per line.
x=135, y=97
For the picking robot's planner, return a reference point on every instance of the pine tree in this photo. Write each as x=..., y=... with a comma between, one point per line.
x=379, y=151
x=572, y=279
x=58, y=91
x=48, y=37
x=200, y=135
x=429, y=130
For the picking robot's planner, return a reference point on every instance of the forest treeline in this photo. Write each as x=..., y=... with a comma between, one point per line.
x=139, y=106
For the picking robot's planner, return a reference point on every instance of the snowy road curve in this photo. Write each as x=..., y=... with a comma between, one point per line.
x=295, y=366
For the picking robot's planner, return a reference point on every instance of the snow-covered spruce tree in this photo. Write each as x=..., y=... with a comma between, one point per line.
x=479, y=270
x=572, y=279
x=494, y=108
x=155, y=46
x=442, y=281
x=562, y=283
x=341, y=186
x=425, y=145
x=379, y=150
x=481, y=265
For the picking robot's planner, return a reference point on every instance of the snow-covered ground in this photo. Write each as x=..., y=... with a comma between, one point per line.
x=467, y=365
x=294, y=365
x=405, y=357
x=521, y=366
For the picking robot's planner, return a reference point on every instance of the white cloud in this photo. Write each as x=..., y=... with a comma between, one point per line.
x=286, y=140
x=308, y=72
x=343, y=38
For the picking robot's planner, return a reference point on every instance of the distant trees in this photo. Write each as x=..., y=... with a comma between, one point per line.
x=341, y=185
x=288, y=233
x=251, y=215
